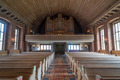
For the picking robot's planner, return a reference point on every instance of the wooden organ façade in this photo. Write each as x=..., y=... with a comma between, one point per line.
x=59, y=25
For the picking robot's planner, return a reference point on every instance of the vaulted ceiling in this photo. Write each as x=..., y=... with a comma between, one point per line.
x=33, y=12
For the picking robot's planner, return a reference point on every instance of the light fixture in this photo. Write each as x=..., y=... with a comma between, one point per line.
x=31, y=31
x=88, y=31
x=106, y=41
x=60, y=34
x=85, y=45
x=37, y=45
x=33, y=45
x=12, y=40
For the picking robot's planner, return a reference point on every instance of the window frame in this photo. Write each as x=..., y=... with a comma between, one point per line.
x=113, y=35
x=45, y=47
x=102, y=36
x=4, y=34
x=73, y=47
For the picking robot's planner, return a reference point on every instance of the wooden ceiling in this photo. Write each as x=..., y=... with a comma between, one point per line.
x=34, y=11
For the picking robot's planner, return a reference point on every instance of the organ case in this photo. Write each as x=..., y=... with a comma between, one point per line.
x=59, y=25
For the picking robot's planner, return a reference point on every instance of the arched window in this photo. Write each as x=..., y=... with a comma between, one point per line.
x=2, y=31
x=116, y=34
x=102, y=38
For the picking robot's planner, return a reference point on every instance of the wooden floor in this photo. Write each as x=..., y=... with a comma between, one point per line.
x=59, y=70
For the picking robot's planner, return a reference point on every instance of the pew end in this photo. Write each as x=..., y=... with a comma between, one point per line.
x=98, y=77
x=19, y=78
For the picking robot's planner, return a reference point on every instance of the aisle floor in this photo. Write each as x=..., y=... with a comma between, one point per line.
x=59, y=70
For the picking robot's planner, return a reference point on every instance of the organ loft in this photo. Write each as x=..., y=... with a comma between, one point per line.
x=60, y=25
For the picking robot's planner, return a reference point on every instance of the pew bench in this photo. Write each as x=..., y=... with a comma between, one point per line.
x=90, y=71
x=107, y=78
x=17, y=78
x=19, y=62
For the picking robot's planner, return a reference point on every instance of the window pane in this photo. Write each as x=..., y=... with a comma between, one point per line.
x=48, y=47
x=103, y=48
x=1, y=37
x=41, y=47
x=75, y=47
x=116, y=30
x=16, y=38
x=45, y=47
x=117, y=46
x=1, y=45
x=16, y=32
x=119, y=26
x=71, y=47
x=117, y=36
x=2, y=28
x=102, y=39
x=15, y=47
x=78, y=47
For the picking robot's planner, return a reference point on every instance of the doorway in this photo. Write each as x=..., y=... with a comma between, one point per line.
x=59, y=48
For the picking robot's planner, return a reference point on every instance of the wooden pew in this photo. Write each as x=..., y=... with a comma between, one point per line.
x=85, y=59
x=17, y=78
x=76, y=54
x=14, y=58
x=92, y=58
x=27, y=57
x=115, y=53
x=35, y=58
x=78, y=69
x=3, y=53
x=89, y=72
x=28, y=73
x=107, y=78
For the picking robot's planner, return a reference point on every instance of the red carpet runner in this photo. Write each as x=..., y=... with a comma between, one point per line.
x=59, y=70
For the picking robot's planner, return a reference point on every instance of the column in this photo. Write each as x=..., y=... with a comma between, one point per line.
x=95, y=40
x=92, y=44
x=107, y=33
x=11, y=34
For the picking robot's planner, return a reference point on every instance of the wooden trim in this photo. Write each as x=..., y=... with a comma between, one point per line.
x=102, y=51
x=16, y=51
x=114, y=21
x=115, y=53
x=3, y=53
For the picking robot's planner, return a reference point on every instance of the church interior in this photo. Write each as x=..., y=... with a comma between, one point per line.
x=59, y=39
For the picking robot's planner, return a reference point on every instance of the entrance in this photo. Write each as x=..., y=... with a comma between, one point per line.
x=59, y=48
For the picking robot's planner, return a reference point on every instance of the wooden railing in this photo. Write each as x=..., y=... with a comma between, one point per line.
x=60, y=38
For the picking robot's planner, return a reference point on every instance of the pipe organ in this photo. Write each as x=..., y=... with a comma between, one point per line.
x=59, y=25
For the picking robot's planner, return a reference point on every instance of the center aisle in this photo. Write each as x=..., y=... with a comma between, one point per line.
x=59, y=70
